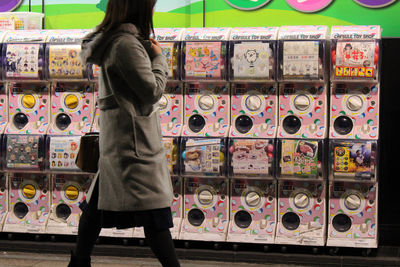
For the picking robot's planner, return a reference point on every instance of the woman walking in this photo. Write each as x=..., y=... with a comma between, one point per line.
x=132, y=187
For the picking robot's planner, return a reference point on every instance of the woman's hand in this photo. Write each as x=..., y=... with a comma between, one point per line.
x=156, y=47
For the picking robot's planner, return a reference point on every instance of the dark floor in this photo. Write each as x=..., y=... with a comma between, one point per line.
x=19, y=259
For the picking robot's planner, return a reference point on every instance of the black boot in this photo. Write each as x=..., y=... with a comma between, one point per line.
x=75, y=262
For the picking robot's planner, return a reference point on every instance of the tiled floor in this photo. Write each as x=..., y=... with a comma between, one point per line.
x=17, y=259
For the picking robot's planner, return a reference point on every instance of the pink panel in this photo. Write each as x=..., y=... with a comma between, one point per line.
x=32, y=100
x=259, y=103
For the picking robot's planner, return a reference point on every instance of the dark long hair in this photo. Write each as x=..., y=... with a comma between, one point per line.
x=137, y=12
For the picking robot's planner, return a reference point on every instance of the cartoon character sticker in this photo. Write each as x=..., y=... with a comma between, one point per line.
x=252, y=60
x=203, y=60
x=63, y=151
x=64, y=62
x=22, y=61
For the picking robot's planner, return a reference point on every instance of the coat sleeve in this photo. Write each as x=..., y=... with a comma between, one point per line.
x=147, y=79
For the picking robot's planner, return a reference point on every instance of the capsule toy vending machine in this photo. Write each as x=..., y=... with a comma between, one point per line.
x=3, y=124
x=204, y=134
x=3, y=95
x=23, y=60
x=254, y=122
x=171, y=120
x=353, y=138
x=303, y=118
x=72, y=107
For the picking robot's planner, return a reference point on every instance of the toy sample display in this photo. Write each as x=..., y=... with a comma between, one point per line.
x=204, y=54
x=62, y=153
x=62, y=55
x=203, y=157
x=29, y=203
x=302, y=53
x=251, y=158
x=171, y=154
x=169, y=39
x=354, y=131
x=355, y=52
x=354, y=160
x=301, y=158
x=23, y=153
x=23, y=55
x=253, y=53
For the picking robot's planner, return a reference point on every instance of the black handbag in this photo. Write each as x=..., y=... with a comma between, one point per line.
x=88, y=154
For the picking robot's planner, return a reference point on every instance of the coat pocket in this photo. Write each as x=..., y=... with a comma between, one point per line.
x=107, y=102
x=147, y=134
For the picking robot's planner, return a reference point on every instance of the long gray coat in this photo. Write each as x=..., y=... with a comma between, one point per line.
x=133, y=173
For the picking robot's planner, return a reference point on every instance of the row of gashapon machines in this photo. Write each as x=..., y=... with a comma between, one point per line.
x=245, y=119
x=47, y=104
x=251, y=107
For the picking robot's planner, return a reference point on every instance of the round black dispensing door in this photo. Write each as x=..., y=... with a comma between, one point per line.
x=343, y=125
x=20, y=120
x=196, y=217
x=20, y=210
x=291, y=124
x=243, y=219
x=63, y=211
x=196, y=123
x=63, y=121
x=291, y=221
x=243, y=124
x=341, y=222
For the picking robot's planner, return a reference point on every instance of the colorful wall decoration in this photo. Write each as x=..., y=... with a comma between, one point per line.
x=64, y=14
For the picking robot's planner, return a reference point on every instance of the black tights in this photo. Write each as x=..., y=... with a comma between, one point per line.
x=160, y=242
